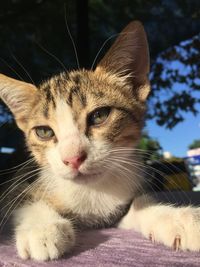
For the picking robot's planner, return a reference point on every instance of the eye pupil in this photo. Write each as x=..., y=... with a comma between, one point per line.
x=44, y=132
x=98, y=116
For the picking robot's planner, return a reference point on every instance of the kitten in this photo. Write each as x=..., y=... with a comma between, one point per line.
x=82, y=128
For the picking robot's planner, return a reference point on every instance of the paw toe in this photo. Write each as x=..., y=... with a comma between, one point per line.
x=22, y=247
x=38, y=250
x=177, y=243
x=151, y=237
x=45, y=243
x=53, y=251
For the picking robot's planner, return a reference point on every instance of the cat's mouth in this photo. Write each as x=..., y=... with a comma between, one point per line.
x=87, y=177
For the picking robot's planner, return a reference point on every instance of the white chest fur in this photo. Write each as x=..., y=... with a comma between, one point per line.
x=92, y=199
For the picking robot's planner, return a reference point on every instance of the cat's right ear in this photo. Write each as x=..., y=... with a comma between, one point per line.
x=128, y=58
x=18, y=96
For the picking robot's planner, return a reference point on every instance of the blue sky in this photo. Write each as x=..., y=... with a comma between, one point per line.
x=176, y=140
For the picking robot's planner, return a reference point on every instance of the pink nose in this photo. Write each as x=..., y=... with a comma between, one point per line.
x=76, y=161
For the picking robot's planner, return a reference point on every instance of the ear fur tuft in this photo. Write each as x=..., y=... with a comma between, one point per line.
x=17, y=95
x=129, y=57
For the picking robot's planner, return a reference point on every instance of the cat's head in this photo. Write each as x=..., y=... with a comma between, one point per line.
x=75, y=122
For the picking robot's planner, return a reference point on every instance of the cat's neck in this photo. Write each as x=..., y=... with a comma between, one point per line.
x=100, y=197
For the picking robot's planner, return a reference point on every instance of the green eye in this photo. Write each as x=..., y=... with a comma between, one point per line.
x=44, y=132
x=98, y=116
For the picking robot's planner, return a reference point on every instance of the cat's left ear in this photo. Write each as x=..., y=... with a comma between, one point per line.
x=18, y=96
x=128, y=58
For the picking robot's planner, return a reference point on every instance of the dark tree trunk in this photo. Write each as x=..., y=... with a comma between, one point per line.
x=82, y=33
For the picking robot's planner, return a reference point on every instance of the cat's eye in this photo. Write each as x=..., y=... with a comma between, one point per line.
x=98, y=116
x=44, y=132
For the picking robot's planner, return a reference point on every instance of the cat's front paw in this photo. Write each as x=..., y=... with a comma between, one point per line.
x=181, y=231
x=176, y=241
x=45, y=242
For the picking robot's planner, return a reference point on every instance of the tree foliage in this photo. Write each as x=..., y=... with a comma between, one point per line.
x=151, y=147
x=195, y=144
x=175, y=80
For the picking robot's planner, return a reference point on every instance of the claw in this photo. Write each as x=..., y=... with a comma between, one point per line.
x=177, y=243
x=151, y=237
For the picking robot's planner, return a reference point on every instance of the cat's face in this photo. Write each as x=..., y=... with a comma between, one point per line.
x=76, y=121
x=82, y=114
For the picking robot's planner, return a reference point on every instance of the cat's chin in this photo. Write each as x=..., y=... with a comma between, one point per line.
x=83, y=178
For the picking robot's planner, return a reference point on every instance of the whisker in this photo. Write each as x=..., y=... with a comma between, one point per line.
x=105, y=42
x=45, y=191
x=126, y=171
x=11, y=68
x=129, y=176
x=21, y=180
x=72, y=40
x=158, y=161
x=24, y=193
x=12, y=203
x=16, y=197
x=20, y=64
x=50, y=54
x=13, y=169
x=137, y=166
x=15, y=178
x=131, y=162
x=101, y=48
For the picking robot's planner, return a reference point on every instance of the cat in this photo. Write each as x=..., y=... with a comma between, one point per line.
x=82, y=129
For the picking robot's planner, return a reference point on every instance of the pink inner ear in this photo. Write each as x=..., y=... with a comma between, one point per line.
x=17, y=95
x=17, y=104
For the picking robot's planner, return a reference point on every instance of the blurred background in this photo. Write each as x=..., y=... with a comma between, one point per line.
x=35, y=44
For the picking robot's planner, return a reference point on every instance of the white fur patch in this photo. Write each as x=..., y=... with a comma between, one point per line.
x=45, y=238
x=65, y=121
x=70, y=141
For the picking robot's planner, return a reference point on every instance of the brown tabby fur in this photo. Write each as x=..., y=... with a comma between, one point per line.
x=108, y=183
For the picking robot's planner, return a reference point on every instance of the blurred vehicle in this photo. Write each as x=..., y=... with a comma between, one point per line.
x=193, y=165
x=169, y=175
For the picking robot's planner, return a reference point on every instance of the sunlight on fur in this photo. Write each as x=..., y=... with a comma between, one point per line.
x=82, y=129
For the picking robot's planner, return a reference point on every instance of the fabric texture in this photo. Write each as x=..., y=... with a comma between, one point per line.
x=107, y=248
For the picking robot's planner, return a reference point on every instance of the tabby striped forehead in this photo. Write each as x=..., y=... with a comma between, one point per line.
x=86, y=90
